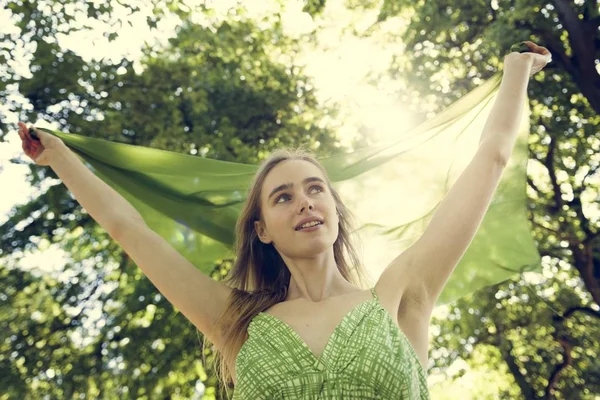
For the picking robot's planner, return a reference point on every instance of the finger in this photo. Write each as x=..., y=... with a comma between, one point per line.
x=23, y=129
x=530, y=43
x=24, y=133
x=537, y=49
x=549, y=55
x=546, y=53
x=543, y=51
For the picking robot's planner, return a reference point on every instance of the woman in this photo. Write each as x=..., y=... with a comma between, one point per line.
x=291, y=320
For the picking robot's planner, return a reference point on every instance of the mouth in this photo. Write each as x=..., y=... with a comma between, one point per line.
x=311, y=227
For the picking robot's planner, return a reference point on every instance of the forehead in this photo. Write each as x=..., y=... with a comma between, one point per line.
x=290, y=171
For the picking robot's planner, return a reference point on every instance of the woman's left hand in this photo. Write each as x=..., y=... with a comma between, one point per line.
x=537, y=57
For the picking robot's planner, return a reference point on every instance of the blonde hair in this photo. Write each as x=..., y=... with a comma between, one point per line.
x=257, y=287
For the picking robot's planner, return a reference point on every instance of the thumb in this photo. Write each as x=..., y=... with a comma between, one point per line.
x=33, y=132
x=39, y=134
x=47, y=139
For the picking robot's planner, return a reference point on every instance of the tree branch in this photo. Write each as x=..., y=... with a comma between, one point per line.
x=573, y=310
x=549, y=164
x=566, y=345
x=506, y=350
x=568, y=360
x=554, y=231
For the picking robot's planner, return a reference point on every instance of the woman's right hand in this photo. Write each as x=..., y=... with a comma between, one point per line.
x=42, y=150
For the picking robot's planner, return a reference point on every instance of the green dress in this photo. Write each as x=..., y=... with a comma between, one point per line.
x=366, y=357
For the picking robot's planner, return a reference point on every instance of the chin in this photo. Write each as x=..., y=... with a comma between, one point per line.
x=318, y=245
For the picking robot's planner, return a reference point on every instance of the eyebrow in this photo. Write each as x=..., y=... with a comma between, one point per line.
x=290, y=185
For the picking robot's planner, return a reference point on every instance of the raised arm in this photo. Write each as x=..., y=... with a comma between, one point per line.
x=197, y=296
x=422, y=271
x=201, y=299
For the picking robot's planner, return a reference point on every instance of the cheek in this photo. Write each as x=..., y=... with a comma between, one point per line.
x=280, y=219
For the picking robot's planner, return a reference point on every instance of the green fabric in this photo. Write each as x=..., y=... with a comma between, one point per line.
x=393, y=189
x=366, y=357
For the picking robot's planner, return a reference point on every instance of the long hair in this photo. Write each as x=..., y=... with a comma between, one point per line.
x=259, y=277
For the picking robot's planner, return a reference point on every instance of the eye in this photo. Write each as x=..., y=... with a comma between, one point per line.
x=317, y=186
x=286, y=195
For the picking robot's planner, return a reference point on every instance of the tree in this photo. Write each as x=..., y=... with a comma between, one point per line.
x=98, y=329
x=545, y=332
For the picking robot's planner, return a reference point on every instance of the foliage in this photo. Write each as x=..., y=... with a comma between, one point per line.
x=98, y=328
x=544, y=329
x=230, y=90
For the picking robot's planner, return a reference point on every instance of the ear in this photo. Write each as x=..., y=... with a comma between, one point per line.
x=263, y=236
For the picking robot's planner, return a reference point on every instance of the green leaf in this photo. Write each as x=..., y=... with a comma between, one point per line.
x=314, y=7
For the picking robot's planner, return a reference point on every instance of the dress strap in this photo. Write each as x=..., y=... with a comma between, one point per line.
x=373, y=293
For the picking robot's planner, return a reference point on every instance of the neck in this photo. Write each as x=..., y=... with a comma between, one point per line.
x=316, y=279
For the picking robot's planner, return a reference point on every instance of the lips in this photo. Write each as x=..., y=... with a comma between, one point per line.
x=308, y=227
x=305, y=220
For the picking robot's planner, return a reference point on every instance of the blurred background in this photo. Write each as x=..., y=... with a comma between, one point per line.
x=233, y=81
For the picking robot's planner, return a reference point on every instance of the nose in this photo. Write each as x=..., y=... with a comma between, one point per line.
x=306, y=203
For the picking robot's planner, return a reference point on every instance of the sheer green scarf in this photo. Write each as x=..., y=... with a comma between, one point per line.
x=392, y=188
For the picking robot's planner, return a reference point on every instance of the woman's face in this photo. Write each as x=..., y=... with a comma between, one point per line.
x=306, y=195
